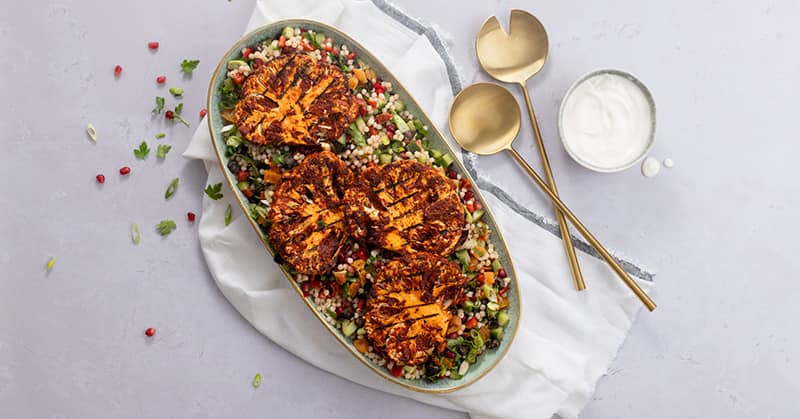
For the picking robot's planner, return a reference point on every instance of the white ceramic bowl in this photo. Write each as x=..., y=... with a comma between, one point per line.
x=583, y=160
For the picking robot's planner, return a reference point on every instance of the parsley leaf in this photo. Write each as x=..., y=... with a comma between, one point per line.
x=176, y=114
x=176, y=91
x=162, y=150
x=142, y=151
x=172, y=188
x=214, y=191
x=160, y=102
x=178, y=108
x=187, y=66
x=165, y=227
x=228, y=214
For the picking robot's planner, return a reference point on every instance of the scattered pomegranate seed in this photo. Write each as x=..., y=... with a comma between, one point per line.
x=342, y=257
x=502, y=273
x=450, y=354
x=360, y=253
x=100, y=179
x=452, y=174
x=152, y=45
x=203, y=112
x=169, y=115
x=161, y=79
x=124, y=170
x=397, y=371
x=150, y=332
x=468, y=195
x=118, y=70
x=190, y=216
x=339, y=310
x=306, y=288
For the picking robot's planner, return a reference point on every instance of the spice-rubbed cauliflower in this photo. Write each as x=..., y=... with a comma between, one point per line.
x=295, y=100
x=408, y=309
x=406, y=207
x=307, y=230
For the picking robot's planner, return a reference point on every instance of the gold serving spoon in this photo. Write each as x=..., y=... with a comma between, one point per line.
x=514, y=57
x=485, y=119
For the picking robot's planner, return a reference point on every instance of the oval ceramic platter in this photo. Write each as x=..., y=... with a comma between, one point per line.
x=480, y=329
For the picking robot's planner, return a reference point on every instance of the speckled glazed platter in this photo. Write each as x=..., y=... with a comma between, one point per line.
x=489, y=357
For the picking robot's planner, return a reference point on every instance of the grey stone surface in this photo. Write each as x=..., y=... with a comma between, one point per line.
x=718, y=229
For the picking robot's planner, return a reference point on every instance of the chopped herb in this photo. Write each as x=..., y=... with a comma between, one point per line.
x=91, y=132
x=228, y=214
x=160, y=135
x=321, y=224
x=313, y=40
x=176, y=114
x=214, y=191
x=160, y=102
x=165, y=227
x=176, y=91
x=136, y=235
x=188, y=66
x=50, y=264
x=162, y=150
x=257, y=378
x=228, y=95
x=172, y=188
x=142, y=151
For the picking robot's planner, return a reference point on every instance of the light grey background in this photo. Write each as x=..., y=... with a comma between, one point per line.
x=719, y=229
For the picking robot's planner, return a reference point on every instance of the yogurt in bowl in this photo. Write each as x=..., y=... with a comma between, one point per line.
x=607, y=121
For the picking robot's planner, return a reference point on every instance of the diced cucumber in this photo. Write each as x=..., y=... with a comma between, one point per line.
x=234, y=64
x=385, y=139
x=503, y=318
x=361, y=331
x=463, y=258
x=398, y=121
x=399, y=106
x=495, y=265
x=420, y=127
x=288, y=32
x=436, y=153
x=233, y=141
x=381, y=101
x=467, y=216
x=470, y=306
x=477, y=215
x=356, y=135
x=445, y=161
x=496, y=333
x=243, y=185
x=320, y=38
x=492, y=306
x=361, y=124
x=384, y=158
x=348, y=328
x=489, y=292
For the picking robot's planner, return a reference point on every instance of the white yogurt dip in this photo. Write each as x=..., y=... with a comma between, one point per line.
x=607, y=121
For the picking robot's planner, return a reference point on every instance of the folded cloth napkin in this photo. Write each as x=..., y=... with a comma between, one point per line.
x=566, y=340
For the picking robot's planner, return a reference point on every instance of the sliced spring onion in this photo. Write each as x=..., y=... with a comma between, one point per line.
x=136, y=235
x=257, y=381
x=50, y=264
x=228, y=214
x=160, y=135
x=176, y=91
x=91, y=131
x=173, y=186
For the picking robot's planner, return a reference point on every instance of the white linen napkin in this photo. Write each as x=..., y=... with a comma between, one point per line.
x=566, y=339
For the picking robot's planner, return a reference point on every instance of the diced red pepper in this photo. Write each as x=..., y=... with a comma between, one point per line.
x=243, y=176
x=397, y=371
x=372, y=103
x=470, y=207
x=238, y=78
x=246, y=52
x=152, y=45
x=282, y=41
x=466, y=184
x=351, y=55
x=472, y=322
x=307, y=46
x=383, y=117
x=328, y=48
x=360, y=304
x=378, y=88
x=372, y=131
x=248, y=193
x=503, y=291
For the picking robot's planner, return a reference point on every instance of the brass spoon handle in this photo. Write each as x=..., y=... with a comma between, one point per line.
x=577, y=276
x=645, y=299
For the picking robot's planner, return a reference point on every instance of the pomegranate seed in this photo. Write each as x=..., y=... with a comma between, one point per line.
x=306, y=288
x=360, y=253
x=335, y=51
x=152, y=45
x=316, y=284
x=169, y=115
x=124, y=170
x=468, y=195
x=190, y=216
x=150, y=332
x=118, y=70
x=342, y=257
x=450, y=354
x=397, y=371
x=502, y=273
x=339, y=310
x=100, y=179
x=452, y=174
x=203, y=112
x=452, y=335
x=161, y=79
